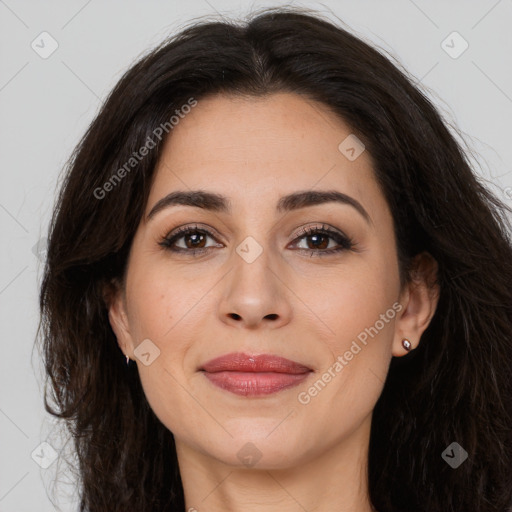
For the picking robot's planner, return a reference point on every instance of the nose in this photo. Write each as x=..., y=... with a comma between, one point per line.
x=255, y=295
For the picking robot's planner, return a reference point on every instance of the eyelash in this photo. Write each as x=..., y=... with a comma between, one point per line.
x=345, y=242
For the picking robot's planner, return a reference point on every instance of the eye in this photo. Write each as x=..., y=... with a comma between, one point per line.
x=320, y=239
x=194, y=240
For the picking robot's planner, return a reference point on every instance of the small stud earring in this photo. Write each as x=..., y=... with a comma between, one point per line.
x=406, y=344
x=127, y=360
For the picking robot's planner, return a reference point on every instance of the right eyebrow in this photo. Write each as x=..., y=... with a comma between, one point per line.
x=196, y=198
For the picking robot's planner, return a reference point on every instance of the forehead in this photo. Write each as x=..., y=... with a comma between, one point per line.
x=261, y=148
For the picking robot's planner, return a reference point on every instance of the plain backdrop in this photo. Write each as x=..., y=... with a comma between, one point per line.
x=47, y=102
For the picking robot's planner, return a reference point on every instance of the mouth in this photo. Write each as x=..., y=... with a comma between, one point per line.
x=254, y=375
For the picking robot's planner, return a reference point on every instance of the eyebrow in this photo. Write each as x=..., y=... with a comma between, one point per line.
x=219, y=203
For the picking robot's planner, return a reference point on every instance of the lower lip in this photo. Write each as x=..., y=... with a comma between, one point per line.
x=255, y=383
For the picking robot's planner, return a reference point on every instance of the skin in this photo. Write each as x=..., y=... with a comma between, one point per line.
x=255, y=150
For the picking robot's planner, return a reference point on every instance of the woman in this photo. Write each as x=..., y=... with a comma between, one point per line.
x=258, y=376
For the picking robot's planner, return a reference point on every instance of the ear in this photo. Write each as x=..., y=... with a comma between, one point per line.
x=419, y=300
x=115, y=301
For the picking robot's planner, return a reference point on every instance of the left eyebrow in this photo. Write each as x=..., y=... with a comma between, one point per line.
x=219, y=203
x=314, y=197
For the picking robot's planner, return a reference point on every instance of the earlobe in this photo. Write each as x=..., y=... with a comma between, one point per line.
x=419, y=299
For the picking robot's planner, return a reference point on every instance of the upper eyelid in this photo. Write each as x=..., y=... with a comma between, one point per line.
x=183, y=230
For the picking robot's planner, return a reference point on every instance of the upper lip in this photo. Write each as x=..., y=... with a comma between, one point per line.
x=241, y=362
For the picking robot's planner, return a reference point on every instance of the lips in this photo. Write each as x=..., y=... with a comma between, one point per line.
x=254, y=375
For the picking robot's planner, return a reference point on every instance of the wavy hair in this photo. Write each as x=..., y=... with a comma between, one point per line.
x=455, y=387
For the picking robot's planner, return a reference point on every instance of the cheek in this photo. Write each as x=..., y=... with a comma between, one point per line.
x=166, y=311
x=352, y=299
x=159, y=302
x=361, y=331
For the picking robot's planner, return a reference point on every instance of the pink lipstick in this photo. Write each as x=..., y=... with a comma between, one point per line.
x=254, y=375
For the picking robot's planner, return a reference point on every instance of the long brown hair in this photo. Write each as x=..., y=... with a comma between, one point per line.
x=455, y=387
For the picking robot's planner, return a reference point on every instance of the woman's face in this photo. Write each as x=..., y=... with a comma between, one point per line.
x=260, y=284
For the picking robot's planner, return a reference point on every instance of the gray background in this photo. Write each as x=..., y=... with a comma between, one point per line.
x=46, y=105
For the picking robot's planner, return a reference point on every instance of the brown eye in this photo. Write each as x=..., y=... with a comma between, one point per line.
x=318, y=240
x=192, y=240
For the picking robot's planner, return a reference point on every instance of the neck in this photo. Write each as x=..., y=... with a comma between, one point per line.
x=334, y=480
